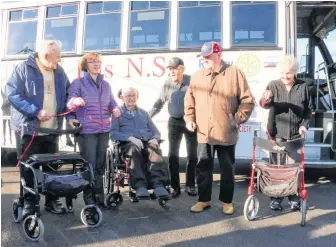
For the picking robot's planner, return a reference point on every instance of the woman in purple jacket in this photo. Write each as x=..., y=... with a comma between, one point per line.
x=92, y=98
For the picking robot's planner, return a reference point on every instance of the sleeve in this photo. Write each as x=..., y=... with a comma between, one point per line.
x=189, y=104
x=113, y=103
x=308, y=108
x=160, y=101
x=115, y=133
x=246, y=99
x=16, y=93
x=73, y=92
x=155, y=132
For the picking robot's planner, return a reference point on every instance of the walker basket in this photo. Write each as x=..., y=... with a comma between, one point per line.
x=277, y=181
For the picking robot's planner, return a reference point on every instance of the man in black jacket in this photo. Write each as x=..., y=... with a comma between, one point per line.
x=173, y=91
x=290, y=107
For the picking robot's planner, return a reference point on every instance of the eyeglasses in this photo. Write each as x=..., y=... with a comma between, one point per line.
x=94, y=62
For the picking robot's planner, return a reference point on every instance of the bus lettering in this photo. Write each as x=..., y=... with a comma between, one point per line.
x=160, y=66
x=132, y=64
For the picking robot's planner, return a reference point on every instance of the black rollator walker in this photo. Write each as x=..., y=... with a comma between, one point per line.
x=275, y=180
x=71, y=176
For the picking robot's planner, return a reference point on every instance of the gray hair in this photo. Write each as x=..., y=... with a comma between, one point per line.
x=127, y=89
x=49, y=47
x=288, y=62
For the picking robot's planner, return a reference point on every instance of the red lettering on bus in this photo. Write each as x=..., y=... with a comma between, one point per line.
x=160, y=66
x=108, y=71
x=130, y=62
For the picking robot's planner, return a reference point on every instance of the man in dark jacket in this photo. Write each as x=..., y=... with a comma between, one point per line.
x=37, y=92
x=173, y=92
x=139, y=141
x=290, y=107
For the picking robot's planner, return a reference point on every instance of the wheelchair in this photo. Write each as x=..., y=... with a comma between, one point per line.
x=70, y=174
x=275, y=180
x=117, y=174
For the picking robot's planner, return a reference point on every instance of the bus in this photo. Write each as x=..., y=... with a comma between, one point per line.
x=137, y=38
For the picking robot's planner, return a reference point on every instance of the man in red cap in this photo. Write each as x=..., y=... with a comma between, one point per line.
x=217, y=102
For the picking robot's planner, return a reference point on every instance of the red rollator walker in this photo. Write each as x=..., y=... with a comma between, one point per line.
x=276, y=180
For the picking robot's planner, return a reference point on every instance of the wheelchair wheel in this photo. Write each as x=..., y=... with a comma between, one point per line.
x=251, y=208
x=69, y=204
x=91, y=216
x=303, y=211
x=33, y=228
x=107, y=180
x=114, y=200
x=17, y=211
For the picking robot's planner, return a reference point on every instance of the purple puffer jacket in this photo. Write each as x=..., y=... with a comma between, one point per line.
x=98, y=100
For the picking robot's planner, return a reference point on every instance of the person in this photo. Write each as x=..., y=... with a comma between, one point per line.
x=5, y=107
x=217, y=102
x=290, y=107
x=173, y=91
x=36, y=91
x=93, y=100
x=139, y=141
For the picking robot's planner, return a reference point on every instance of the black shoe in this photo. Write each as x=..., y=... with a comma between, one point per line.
x=295, y=206
x=29, y=206
x=275, y=205
x=191, y=191
x=176, y=192
x=102, y=205
x=88, y=197
x=54, y=206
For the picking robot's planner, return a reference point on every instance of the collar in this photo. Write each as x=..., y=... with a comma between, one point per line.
x=87, y=75
x=125, y=108
x=222, y=69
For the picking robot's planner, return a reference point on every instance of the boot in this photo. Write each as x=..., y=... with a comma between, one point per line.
x=200, y=207
x=54, y=205
x=228, y=208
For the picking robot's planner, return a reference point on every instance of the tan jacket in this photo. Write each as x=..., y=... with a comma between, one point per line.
x=218, y=103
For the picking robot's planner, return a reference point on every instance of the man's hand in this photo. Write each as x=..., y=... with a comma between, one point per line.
x=136, y=142
x=116, y=112
x=191, y=126
x=303, y=131
x=43, y=116
x=154, y=142
x=72, y=122
x=267, y=96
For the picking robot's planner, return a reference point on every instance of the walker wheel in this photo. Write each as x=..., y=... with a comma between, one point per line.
x=91, y=216
x=114, y=200
x=163, y=203
x=69, y=204
x=303, y=210
x=17, y=211
x=251, y=208
x=33, y=228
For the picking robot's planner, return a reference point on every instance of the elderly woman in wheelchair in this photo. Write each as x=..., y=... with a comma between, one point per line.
x=138, y=142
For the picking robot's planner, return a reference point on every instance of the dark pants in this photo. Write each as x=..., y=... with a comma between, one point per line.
x=176, y=130
x=283, y=160
x=204, y=169
x=147, y=167
x=40, y=145
x=93, y=149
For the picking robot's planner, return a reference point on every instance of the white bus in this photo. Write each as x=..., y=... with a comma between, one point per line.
x=137, y=39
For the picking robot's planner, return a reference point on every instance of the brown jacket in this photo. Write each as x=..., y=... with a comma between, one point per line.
x=218, y=103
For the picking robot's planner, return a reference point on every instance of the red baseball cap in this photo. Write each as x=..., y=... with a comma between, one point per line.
x=210, y=47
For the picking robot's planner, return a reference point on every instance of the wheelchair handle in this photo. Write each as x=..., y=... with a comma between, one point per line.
x=78, y=128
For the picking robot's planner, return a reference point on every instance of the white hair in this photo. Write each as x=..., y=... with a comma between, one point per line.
x=127, y=89
x=288, y=62
x=49, y=47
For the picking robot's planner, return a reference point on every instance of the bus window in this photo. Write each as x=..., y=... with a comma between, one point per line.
x=149, y=24
x=199, y=22
x=254, y=23
x=61, y=24
x=100, y=17
x=302, y=55
x=22, y=29
x=318, y=60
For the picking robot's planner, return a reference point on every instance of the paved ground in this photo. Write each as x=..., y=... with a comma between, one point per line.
x=147, y=224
